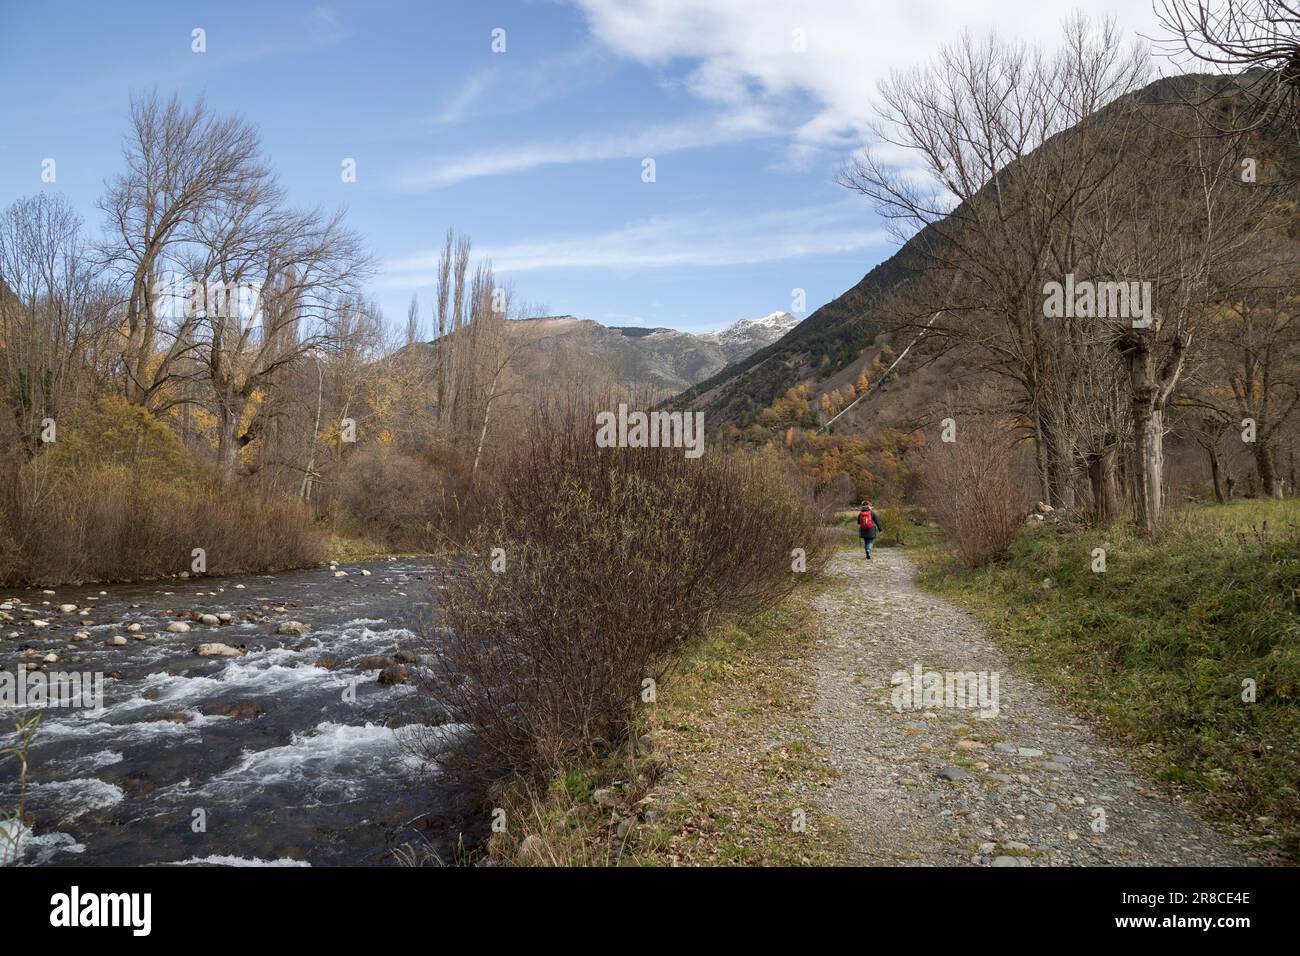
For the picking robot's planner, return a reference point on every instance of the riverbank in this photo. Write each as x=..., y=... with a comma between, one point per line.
x=722, y=768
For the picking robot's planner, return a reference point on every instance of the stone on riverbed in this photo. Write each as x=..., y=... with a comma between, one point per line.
x=178, y=627
x=211, y=620
x=219, y=650
x=244, y=708
x=117, y=640
x=292, y=627
x=394, y=675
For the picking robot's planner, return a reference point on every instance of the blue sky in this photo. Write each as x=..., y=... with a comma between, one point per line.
x=747, y=108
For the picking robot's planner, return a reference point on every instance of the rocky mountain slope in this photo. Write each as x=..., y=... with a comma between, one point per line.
x=662, y=361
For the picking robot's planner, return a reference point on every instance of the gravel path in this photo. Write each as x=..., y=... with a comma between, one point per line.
x=941, y=786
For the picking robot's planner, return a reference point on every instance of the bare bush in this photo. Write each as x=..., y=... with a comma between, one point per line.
x=970, y=489
x=614, y=559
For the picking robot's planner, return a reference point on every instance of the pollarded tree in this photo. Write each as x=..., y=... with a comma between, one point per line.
x=1013, y=144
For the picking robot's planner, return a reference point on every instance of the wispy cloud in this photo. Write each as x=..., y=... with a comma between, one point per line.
x=653, y=141
x=703, y=240
x=512, y=85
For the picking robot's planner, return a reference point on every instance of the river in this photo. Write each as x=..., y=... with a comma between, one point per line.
x=293, y=754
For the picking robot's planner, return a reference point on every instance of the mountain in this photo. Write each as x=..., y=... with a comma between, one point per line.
x=742, y=339
x=836, y=342
x=664, y=361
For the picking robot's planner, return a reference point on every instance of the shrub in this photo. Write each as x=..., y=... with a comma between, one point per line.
x=969, y=488
x=111, y=523
x=406, y=501
x=614, y=559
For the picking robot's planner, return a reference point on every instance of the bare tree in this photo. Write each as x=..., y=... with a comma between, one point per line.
x=1012, y=150
x=304, y=268
x=182, y=163
x=1257, y=39
x=413, y=320
x=51, y=312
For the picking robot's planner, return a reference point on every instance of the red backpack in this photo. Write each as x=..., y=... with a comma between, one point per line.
x=865, y=521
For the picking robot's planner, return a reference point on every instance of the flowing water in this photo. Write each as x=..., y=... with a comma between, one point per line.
x=293, y=754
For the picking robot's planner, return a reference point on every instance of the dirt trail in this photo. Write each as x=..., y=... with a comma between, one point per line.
x=939, y=785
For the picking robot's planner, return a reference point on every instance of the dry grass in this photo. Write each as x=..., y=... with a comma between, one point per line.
x=112, y=523
x=717, y=769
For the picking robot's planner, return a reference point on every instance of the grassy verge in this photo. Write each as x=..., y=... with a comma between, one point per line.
x=1159, y=648
x=345, y=549
x=714, y=773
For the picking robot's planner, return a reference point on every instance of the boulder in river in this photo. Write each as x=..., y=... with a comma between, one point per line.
x=117, y=640
x=67, y=608
x=211, y=620
x=219, y=650
x=178, y=627
x=394, y=675
x=236, y=709
x=292, y=627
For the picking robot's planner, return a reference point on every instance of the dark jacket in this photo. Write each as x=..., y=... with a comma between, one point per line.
x=876, y=526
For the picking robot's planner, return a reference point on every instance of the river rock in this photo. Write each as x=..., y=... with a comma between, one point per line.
x=117, y=640
x=219, y=650
x=211, y=620
x=39, y=623
x=134, y=628
x=51, y=658
x=178, y=627
x=67, y=608
x=225, y=617
x=340, y=574
x=292, y=627
x=394, y=675
x=236, y=709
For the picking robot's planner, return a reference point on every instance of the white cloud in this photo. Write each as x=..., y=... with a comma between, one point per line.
x=702, y=240
x=740, y=53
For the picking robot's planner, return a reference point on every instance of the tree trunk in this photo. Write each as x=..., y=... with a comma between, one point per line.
x=227, y=445
x=1216, y=473
x=1105, y=485
x=1149, y=392
x=1266, y=464
x=1148, y=464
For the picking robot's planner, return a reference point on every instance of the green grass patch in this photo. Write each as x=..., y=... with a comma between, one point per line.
x=1157, y=649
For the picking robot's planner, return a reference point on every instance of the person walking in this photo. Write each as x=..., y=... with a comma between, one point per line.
x=868, y=526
